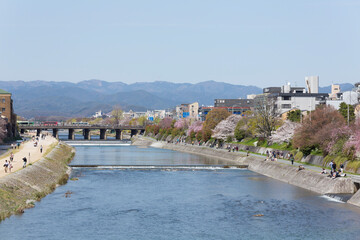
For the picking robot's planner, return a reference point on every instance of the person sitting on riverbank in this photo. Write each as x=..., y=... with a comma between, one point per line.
x=301, y=167
x=341, y=167
x=323, y=171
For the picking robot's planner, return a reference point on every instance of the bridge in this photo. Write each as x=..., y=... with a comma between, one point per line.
x=85, y=128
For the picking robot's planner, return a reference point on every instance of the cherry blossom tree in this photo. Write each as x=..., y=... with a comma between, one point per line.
x=182, y=123
x=195, y=127
x=284, y=133
x=226, y=127
x=165, y=123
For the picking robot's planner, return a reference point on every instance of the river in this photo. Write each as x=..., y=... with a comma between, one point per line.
x=110, y=203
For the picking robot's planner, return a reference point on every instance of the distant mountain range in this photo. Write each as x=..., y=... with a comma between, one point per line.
x=45, y=98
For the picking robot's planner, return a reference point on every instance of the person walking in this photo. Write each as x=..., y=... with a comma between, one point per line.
x=11, y=157
x=10, y=166
x=6, y=165
x=24, y=160
x=41, y=148
x=292, y=158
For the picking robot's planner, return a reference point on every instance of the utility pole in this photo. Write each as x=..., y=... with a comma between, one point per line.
x=348, y=115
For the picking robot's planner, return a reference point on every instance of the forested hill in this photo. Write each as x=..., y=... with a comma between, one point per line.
x=45, y=98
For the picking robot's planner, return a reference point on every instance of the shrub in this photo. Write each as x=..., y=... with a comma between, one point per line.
x=239, y=134
x=193, y=134
x=206, y=135
x=229, y=139
x=199, y=136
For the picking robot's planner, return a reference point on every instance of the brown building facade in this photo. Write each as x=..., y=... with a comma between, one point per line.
x=7, y=112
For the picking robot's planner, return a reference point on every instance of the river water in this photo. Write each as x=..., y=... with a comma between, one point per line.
x=177, y=204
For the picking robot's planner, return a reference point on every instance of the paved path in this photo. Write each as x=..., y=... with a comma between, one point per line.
x=26, y=149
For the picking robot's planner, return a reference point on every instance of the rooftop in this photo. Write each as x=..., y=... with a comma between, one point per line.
x=4, y=92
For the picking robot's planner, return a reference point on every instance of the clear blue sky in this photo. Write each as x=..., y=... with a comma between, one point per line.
x=258, y=42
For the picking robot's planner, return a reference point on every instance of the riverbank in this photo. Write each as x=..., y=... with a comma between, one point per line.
x=20, y=189
x=307, y=179
x=28, y=150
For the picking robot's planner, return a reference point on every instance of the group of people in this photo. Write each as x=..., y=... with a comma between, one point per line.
x=15, y=145
x=334, y=172
x=8, y=164
x=232, y=148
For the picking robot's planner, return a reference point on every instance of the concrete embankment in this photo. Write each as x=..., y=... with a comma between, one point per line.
x=307, y=179
x=21, y=189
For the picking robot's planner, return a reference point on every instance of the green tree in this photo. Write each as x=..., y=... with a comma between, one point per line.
x=117, y=114
x=239, y=134
x=343, y=109
x=214, y=117
x=294, y=116
x=142, y=120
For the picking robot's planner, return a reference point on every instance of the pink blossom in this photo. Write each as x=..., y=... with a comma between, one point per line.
x=182, y=123
x=165, y=123
x=195, y=127
x=226, y=127
x=336, y=134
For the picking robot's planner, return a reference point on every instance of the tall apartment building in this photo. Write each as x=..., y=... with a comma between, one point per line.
x=7, y=112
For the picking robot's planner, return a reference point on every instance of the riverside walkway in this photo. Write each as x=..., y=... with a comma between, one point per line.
x=27, y=150
x=354, y=178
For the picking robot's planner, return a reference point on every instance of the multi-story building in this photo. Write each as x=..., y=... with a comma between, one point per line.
x=188, y=110
x=7, y=112
x=288, y=98
x=234, y=106
x=335, y=90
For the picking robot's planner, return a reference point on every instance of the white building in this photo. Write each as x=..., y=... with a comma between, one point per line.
x=287, y=97
x=97, y=114
x=312, y=84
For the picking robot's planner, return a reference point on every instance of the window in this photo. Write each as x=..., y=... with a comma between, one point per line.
x=285, y=105
x=3, y=100
x=286, y=98
x=3, y=109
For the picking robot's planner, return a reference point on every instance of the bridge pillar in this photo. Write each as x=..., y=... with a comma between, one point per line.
x=38, y=132
x=133, y=132
x=71, y=134
x=118, y=134
x=55, y=133
x=22, y=131
x=103, y=134
x=87, y=135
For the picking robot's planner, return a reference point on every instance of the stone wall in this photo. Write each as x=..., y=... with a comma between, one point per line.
x=305, y=179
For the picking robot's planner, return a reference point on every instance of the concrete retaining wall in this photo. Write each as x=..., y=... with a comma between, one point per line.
x=20, y=189
x=307, y=179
